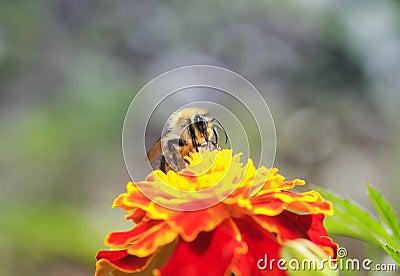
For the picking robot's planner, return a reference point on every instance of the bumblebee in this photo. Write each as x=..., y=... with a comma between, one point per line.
x=189, y=130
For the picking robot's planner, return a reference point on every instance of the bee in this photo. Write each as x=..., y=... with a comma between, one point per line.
x=189, y=130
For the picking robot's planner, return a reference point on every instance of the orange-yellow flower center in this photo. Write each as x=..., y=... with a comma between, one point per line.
x=205, y=170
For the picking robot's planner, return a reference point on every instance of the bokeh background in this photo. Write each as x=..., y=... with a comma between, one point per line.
x=329, y=70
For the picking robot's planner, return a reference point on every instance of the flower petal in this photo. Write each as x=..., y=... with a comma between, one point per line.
x=120, y=263
x=274, y=203
x=289, y=226
x=260, y=243
x=190, y=224
x=144, y=239
x=212, y=253
x=120, y=260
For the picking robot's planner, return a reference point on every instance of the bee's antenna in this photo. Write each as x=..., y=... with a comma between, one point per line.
x=222, y=127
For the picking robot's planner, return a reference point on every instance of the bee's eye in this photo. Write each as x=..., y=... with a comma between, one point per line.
x=198, y=118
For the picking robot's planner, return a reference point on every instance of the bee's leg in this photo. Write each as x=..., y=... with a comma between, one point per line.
x=215, y=134
x=162, y=164
x=193, y=136
x=173, y=150
x=173, y=147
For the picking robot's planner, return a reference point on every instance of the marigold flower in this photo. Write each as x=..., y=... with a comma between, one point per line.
x=255, y=217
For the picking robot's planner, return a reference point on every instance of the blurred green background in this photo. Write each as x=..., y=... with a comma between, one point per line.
x=329, y=70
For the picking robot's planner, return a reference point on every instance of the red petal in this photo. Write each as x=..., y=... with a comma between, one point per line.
x=140, y=230
x=120, y=260
x=190, y=224
x=212, y=253
x=260, y=243
x=137, y=215
x=290, y=226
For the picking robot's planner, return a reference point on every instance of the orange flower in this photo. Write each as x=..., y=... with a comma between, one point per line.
x=236, y=216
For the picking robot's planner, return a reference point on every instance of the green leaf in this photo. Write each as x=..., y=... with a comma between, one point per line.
x=352, y=221
x=385, y=211
x=393, y=252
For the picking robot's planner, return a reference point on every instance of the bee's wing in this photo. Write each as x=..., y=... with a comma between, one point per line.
x=155, y=150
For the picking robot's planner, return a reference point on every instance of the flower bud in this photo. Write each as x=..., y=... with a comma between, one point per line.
x=304, y=257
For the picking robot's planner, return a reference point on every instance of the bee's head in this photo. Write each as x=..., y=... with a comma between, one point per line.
x=200, y=118
x=201, y=123
x=206, y=126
